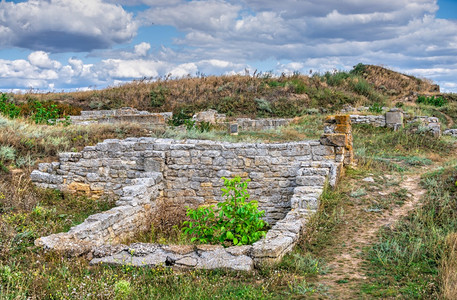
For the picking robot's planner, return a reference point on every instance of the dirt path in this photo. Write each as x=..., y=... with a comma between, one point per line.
x=449, y=120
x=346, y=269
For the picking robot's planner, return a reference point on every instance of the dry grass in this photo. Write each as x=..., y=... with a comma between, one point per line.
x=284, y=96
x=42, y=142
x=449, y=268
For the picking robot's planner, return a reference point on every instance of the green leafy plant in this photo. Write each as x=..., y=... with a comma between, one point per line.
x=358, y=69
x=123, y=289
x=8, y=108
x=375, y=108
x=179, y=118
x=45, y=115
x=190, y=124
x=435, y=101
x=235, y=221
x=204, y=126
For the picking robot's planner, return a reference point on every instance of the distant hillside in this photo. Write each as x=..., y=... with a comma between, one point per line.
x=261, y=95
x=396, y=84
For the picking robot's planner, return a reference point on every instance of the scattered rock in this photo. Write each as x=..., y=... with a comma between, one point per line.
x=368, y=179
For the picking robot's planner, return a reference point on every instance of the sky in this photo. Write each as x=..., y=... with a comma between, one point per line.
x=64, y=45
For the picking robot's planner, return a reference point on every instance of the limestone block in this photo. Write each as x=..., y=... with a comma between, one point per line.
x=394, y=119
x=153, y=165
x=78, y=187
x=310, y=180
x=206, y=116
x=334, y=139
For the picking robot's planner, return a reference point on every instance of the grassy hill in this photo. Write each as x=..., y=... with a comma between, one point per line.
x=260, y=95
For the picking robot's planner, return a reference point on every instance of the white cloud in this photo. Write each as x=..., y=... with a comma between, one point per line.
x=142, y=49
x=226, y=36
x=41, y=59
x=64, y=25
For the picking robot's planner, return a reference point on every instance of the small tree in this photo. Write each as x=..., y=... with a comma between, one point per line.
x=235, y=220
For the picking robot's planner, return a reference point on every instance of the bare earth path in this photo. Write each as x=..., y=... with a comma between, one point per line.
x=346, y=271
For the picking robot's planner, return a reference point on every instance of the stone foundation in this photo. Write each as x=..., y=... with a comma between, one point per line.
x=126, y=114
x=287, y=180
x=395, y=119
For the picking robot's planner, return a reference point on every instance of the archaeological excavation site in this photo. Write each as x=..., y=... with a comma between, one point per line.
x=330, y=186
x=287, y=180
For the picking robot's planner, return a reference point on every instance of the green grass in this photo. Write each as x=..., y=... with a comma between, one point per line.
x=406, y=261
x=378, y=147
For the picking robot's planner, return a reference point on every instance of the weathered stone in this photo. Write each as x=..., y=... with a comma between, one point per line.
x=334, y=139
x=394, y=119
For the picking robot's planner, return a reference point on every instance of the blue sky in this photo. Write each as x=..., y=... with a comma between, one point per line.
x=54, y=45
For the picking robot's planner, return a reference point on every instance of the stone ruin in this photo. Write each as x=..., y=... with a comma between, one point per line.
x=132, y=115
x=125, y=114
x=287, y=180
x=394, y=118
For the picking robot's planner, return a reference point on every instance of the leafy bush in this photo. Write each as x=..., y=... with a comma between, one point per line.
x=8, y=108
x=158, y=96
x=263, y=105
x=179, y=118
x=235, y=221
x=45, y=115
x=358, y=69
x=435, y=101
x=41, y=113
x=190, y=124
x=375, y=108
x=204, y=126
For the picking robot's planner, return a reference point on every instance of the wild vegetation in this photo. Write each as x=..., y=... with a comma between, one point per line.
x=257, y=95
x=413, y=258
x=235, y=222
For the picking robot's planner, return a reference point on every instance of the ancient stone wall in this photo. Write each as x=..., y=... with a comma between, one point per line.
x=261, y=124
x=126, y=114
x=395, y=118
x=191, y=169
x=287, y=180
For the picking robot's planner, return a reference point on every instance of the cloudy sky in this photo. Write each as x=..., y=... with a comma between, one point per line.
x=54, y=45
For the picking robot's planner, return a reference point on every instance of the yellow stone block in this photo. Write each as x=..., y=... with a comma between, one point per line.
x=343, y=119
x=79, y=187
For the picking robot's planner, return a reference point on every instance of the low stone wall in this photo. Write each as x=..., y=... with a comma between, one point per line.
x=287, y=180
x=373, y=120
x=261, y=124
x=451, y=132
x=431, y=124
x=392, y=119
x=126, y=114
x=395, y=118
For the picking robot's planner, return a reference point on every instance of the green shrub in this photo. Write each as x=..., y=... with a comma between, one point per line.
x=235, y=221
x=204, y=126
x=122, y=289
x=361, y=86
x=263, y=105
x=7, y=108
x=158, y=96
x=358, y=69
x=299, y=87
x=335, y=79
x=435, y=101
x=45, y=115
x=190, y=124
x=375, y=108
x=179, y=118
